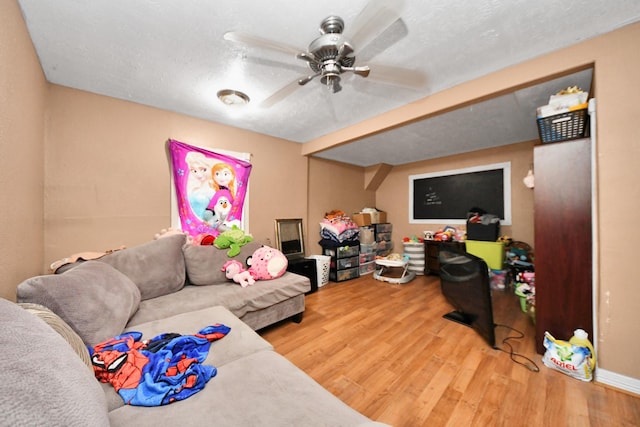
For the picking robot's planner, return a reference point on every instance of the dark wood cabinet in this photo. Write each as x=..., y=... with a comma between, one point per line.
x=305, y=267
x=563, y=239
x=431, y=250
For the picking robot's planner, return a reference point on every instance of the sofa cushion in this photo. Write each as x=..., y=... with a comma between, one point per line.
x=156, y=267
x=263, y=388
x=46, y=383
x=95, y=299
x=61, y=327
x=239, y=342
x=204, y=263
x=238, y=300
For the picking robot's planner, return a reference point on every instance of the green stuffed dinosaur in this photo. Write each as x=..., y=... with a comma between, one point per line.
x=232, y=239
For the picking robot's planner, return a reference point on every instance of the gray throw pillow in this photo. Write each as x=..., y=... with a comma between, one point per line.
x=47, y=383
x=204, y=263
x=95, y=299
x=156, y=267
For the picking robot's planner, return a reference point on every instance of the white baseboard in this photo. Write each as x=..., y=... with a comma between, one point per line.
x=622, y=382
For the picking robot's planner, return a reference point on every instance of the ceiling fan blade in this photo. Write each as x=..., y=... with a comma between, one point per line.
x=305, y=56
x=259, y=42
x=361, y=71
x=280, y=94
x=374, y=19
x=280, y=64
x=397, y=76
x=303, y=81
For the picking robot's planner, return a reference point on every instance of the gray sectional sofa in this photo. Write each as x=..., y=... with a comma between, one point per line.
x=174, y=277
x=47, y=375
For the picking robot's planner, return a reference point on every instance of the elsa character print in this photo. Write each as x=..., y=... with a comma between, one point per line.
x=200, y=187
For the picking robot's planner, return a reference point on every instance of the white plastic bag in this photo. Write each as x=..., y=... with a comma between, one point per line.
x=574, y=360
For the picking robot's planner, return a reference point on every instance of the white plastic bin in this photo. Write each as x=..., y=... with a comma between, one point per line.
x=322, y=265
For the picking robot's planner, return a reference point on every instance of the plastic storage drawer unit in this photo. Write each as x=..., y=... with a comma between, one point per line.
x=341, y=275
x=343, y=251
x=342, y=263
x=367, y=257
x=367, y=267
x=345, y=261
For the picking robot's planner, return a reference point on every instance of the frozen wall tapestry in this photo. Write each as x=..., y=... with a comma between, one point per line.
x=210, y=188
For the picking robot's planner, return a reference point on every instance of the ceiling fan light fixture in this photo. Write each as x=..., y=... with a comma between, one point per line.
x=331, y=81
x=330, y=75
x=233, y=97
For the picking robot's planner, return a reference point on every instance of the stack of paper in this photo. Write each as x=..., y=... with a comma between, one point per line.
x=570, y=99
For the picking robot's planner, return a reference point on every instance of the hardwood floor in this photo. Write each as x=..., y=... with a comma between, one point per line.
x=386, y=351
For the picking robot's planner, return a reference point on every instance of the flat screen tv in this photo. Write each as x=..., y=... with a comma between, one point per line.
x=466, y=286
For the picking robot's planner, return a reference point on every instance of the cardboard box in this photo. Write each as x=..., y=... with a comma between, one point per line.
x=361, y=219
x=378, y=217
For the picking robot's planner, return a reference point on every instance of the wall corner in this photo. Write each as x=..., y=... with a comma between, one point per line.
x=375, y=175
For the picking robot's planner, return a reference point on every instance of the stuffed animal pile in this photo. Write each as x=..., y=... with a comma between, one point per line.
x=232, y=239
x=264, y=264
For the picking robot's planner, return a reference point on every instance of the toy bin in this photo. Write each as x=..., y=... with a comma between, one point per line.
x=491, y=252
x=415, y=251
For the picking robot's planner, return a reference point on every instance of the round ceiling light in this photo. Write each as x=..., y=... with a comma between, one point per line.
x=233, y=97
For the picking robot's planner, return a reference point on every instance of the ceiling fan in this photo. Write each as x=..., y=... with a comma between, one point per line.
x=333, y=52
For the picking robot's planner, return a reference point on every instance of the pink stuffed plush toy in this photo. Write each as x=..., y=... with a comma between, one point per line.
x=267, y=263
x=235, y=271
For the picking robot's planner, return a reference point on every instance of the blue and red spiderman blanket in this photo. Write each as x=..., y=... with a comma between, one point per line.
x=159, y=371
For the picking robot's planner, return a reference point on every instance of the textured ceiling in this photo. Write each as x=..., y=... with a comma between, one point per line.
x=503, y=120
x=172, y=55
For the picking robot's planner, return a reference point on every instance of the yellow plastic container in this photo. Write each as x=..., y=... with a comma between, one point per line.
x=581, y=337
x=491, y=252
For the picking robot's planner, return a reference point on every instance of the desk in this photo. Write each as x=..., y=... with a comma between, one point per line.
x=431, y=251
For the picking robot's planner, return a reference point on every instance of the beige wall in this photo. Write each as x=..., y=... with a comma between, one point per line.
x=393, y=194
x=22, y=108
x=107, y=179
x=332, y=186
x=618, y=158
